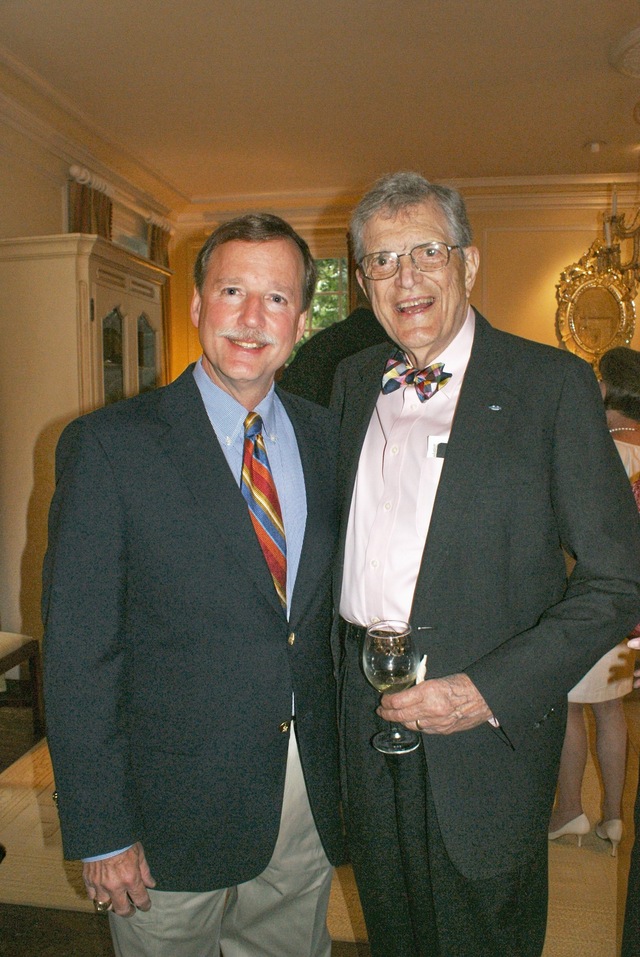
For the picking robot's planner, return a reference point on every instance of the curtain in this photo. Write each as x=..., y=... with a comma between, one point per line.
x=89, y=210
x=158, y=244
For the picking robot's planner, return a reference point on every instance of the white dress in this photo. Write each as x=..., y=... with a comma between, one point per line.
x=612, y=676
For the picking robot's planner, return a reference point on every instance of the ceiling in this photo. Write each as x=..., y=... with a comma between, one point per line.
x=295, y=96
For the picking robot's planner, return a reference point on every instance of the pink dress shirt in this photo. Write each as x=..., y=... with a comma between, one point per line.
x=394, y=492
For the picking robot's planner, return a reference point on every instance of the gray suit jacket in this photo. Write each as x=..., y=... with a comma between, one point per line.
x=529, y=470
x=169, y=663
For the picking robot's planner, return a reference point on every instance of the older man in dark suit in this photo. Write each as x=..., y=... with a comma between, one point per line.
x=189, y=682
x=468, y=460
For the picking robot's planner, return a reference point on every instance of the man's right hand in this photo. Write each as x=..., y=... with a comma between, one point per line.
x=123, y=879
x=635, y=643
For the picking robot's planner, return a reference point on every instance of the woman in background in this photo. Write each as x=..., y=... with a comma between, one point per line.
x=604, y=687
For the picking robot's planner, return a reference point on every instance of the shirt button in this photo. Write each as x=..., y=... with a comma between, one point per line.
x=394, y=449
x=291, y=638
x=374, y=563
x=284, y=727
x=387, y=506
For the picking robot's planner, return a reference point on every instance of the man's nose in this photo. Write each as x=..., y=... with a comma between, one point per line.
x=253, y=312
x=407, y=272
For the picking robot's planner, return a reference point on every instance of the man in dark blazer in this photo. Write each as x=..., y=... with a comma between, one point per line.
x=457, y=508
x=191, y=714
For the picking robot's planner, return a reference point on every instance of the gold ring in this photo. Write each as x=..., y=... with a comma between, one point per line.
x=418, y=726
x=102, y=906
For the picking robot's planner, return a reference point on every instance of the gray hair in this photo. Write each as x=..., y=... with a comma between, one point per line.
x=399, y=191
x=257, y=228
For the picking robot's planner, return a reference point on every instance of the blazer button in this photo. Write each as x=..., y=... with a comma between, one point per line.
x=291, y=638
x=284, y=727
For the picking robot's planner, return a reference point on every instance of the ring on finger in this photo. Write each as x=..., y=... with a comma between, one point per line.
x=102, y=907
x=418, y=725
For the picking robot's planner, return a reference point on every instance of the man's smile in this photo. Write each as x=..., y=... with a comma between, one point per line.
x=410, y=306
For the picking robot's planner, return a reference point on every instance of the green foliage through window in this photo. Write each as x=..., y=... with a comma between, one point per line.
x=330, y=302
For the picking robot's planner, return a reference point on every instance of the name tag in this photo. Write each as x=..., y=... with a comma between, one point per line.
x=436, y=447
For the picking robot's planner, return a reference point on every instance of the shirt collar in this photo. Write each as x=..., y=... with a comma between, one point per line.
x=226, y=414
x=455, y=357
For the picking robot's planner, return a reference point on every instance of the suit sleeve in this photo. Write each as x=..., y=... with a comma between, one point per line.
x=84, y=587
x=597, y=523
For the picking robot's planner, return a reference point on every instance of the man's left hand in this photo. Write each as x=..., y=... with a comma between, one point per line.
x=437, y=706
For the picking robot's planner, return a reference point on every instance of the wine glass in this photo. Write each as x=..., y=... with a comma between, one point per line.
x=390, y=662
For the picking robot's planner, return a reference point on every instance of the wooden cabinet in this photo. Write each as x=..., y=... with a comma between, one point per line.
x=81, y=324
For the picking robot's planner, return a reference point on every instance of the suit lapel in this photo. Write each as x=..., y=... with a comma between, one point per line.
x=478, y=435
x=361, y=390
x=191, y=444
x=357, y=394
x=316, y=547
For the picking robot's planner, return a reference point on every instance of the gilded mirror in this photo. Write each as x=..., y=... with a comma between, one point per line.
x=595, y=306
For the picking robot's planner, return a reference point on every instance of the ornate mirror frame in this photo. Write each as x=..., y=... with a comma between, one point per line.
x=595, y=304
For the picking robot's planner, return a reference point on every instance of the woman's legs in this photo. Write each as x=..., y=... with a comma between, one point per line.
x=611, y=747
x=572, y=764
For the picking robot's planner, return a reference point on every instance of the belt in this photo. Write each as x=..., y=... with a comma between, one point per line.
x=349, y=632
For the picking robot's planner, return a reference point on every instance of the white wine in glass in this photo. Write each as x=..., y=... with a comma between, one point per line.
x=390, y=662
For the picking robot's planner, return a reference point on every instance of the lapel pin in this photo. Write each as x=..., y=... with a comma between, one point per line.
x=496, y=408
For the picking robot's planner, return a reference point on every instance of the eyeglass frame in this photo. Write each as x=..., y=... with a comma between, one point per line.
x=399, y=256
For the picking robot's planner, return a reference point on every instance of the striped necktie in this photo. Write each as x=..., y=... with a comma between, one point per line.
x=259, y=491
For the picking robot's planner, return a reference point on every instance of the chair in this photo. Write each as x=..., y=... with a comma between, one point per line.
x=14, y=650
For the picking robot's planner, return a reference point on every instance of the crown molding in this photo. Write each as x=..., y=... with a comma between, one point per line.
x=42, y=115
x=330, y=209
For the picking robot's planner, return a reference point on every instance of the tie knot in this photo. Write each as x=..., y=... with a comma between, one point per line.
x=399, y=371
x=252, y=425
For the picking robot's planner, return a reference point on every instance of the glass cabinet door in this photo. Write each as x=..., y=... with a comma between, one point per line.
x=147, y=355
x=126, y=329
x=112, y=356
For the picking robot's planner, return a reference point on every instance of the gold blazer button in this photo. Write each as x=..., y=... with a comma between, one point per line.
x=291, y=638
x=284, y=727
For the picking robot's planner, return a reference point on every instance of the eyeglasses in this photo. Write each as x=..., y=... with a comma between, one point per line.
x=427, y=257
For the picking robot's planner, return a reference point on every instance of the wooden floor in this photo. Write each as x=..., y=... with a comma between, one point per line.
x=587, y=885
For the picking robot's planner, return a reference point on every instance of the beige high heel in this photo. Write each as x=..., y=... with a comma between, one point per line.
x=610, y=831
x=578, y=826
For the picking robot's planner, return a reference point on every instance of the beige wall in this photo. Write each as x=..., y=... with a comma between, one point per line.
x=32, y=185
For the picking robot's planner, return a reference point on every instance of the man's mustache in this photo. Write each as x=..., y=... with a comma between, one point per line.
x=248, y=335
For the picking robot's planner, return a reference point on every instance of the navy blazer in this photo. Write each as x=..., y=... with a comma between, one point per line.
x=169, y=662
x=529, y=470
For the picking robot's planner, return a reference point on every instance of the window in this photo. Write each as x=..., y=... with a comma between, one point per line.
x=331, y=301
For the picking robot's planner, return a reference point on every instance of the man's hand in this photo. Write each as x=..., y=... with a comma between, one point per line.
x=635, y=643
x=123, y=879
x=437, y=706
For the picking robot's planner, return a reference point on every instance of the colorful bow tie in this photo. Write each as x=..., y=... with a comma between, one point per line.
x=427, y=381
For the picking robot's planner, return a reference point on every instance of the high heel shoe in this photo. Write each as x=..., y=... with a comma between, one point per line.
x=578, y=826
x=610, y=831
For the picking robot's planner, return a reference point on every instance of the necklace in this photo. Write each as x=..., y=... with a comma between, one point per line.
x=624, y=428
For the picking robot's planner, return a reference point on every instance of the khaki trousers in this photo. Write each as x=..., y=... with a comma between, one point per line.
x=280, y=913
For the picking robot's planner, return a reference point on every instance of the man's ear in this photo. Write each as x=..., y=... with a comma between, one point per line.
x=302, y=325
x=361, y=281
x=471, y=264
x=196, y=302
